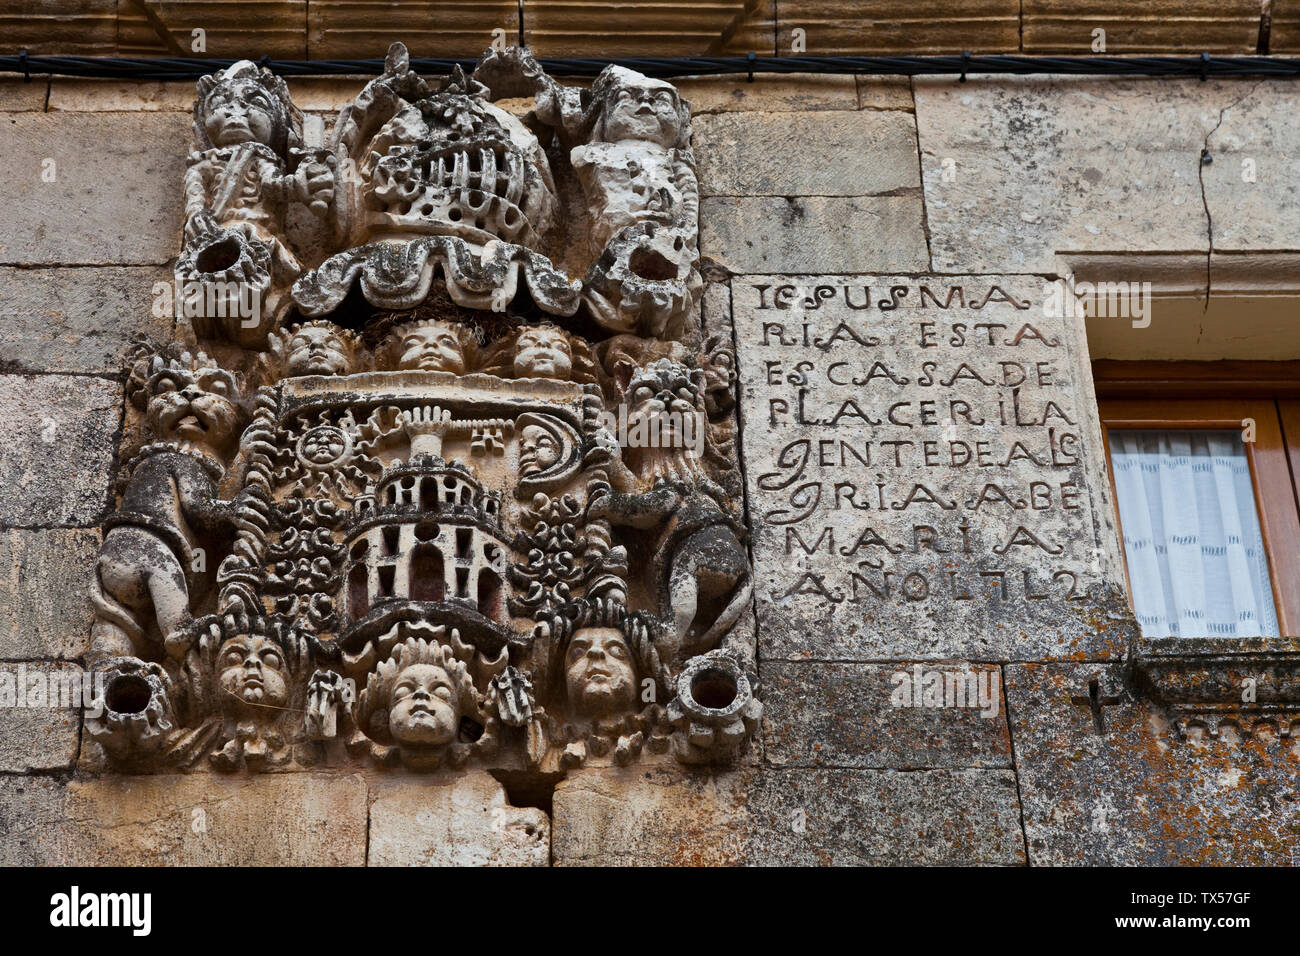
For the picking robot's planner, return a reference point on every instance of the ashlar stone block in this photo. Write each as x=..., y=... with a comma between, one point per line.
x=464, y=821
x=1107, y=780
x=91, y=188
x=838, y=153
x=43, y=608
x=66, y=426
x=293, y=819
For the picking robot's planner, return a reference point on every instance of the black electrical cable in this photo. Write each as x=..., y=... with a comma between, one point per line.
x=177, y=68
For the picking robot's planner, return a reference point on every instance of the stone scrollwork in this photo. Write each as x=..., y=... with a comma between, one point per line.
x=407, y=493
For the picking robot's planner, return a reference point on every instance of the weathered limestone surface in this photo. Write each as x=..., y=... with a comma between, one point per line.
x=76, y=320
x=650, y=817
x=70, y=422
x=17, y=96
x=884, y=93
x=800, y=817
x=75, y=95
x=279, y=26
x=1250, y=187
x=112, y=198
x=464, y=821
x=299, y=819
x=813, y=154
x=924, y=471
x=775, y=93
x=841, y=715
x=715, y=309
x=886, y=27
x=42, y=737
x=43, y=607
x=875, y=817
x=797, y=92
x=1135, y=794
x=1151, y=27
x=764, y=235
x=1034, y=167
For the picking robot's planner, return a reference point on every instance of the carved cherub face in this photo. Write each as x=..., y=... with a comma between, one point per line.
x=598, y=672
x=195, y=407
x=642, y=109
x=543, y=352
x=237, y=113
x=252, y=674
x=423, y=706
x=432, y=347
x=538, y=450
x=318, y=350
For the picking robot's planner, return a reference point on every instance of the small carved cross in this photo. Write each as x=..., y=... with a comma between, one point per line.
x=1095, y=702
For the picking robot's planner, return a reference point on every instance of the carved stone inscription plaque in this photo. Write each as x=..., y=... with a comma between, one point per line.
x=919, y=456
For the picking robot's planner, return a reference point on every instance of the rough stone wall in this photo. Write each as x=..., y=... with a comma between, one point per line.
x=839, y=183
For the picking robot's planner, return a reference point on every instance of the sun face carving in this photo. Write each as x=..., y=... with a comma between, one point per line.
x=325, y=446
x=329, y=453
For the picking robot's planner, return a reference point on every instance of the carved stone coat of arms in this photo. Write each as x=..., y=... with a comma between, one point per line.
x=440, y=471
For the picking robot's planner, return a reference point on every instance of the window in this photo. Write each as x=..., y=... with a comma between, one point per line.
x=1206, y=494
x=1192, y=538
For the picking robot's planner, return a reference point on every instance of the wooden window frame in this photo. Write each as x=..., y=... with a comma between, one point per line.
x=1221, y=395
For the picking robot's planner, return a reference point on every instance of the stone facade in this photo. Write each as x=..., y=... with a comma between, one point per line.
x=372, y=573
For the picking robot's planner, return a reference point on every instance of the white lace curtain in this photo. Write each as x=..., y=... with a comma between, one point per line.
x=1196, y=558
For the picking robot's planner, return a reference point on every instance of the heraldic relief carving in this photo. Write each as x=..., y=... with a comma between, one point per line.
x=444, y=475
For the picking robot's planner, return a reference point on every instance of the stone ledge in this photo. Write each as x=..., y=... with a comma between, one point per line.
x=773, y=93
x=76, y=95
x=18, y=96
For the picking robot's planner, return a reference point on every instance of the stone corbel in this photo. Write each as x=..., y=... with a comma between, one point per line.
x=1251, y=684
